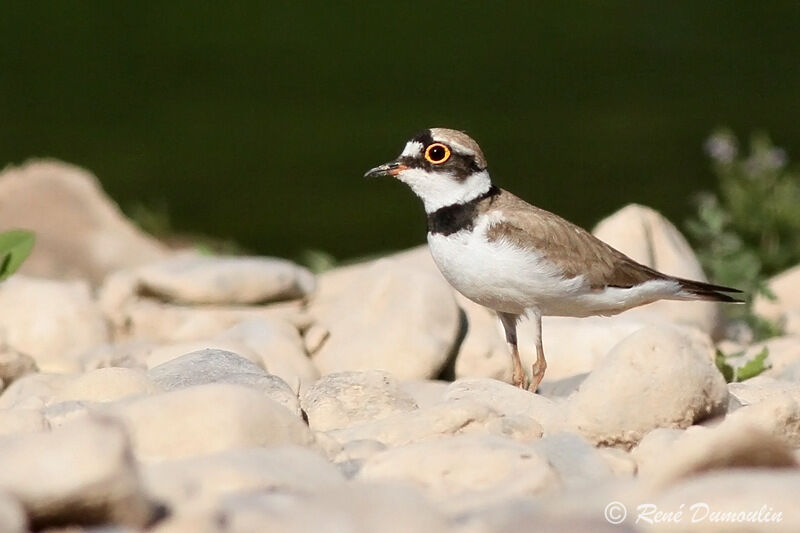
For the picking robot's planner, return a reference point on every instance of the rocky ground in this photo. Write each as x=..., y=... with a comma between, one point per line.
x=147, y=389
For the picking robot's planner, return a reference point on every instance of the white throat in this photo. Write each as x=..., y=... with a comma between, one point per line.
x=440, y=191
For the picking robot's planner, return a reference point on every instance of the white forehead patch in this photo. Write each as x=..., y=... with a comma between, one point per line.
x=412, y=149
x=460, y=148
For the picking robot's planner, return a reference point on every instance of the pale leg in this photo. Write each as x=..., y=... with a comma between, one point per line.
x=509, y=322
x=540, y=365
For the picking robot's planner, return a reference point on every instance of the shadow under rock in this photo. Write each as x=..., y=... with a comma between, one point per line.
x=448, y=371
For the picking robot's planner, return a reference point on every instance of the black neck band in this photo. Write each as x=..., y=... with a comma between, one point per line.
x=456, y=217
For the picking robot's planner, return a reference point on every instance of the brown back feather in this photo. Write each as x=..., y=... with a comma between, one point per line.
x=573, y=249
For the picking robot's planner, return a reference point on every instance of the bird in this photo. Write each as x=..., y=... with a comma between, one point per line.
x=517, y=259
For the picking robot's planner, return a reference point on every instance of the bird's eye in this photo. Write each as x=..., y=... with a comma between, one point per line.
x=437, y=153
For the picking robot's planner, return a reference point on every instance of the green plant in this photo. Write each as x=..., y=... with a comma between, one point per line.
x=152, y=218
x=15, y=246
x=749, y=369
x=749, y=229
x=317, y=261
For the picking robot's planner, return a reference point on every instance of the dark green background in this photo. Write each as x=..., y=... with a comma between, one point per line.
x=255, y=121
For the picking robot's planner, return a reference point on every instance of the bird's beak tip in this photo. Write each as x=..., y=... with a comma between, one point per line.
x=389, y=169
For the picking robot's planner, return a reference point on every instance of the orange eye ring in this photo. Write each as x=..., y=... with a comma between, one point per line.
x=437, y=153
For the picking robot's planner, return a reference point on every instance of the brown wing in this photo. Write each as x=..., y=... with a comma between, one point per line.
x=570, y=247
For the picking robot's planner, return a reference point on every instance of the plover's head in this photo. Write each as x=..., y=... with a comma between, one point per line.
x=443, y=167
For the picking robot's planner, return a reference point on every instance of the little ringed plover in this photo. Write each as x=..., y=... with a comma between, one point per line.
x=517, y=259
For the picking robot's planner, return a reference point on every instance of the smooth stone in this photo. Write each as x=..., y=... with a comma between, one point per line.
x=107, y=385
x=130, y=353
x=576, y=460
x=455, y=417
x=786, y=288
x=732, y=444
x=195, y=279
x=33, y=391
x=51, y=321
x=19, y=421
x=353, y=507
x=135, y=316
x=200, y=482
x=727, y=493
x=510, y=401
x=280, y=348
x=171, y=351
x=761, y=388
x=12, y=515
x=84, y=474
x=778, y=416
x=670, y=374
x=205, y=419
x=60, y=414
x=343, y=399
x=80, y=232
x=574, y=509
x=359, y=305
x=464, y=471
x=219, y=366
x=14, y=365
x=425, y=392
x=351, y=455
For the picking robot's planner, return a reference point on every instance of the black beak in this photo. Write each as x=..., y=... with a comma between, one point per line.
x=393, y=168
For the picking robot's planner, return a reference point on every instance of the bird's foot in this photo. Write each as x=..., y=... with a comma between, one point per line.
x=537, y=373
x=518, y=378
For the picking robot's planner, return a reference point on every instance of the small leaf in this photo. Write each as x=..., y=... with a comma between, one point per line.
x=15, y=246
x=723, y=366
x=753, y=367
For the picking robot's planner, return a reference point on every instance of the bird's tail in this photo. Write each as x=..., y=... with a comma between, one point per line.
x=698, y=290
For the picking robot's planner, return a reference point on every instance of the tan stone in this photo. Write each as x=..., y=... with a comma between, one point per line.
x=786, y=287
x=84, y=473
x=191, y=278
x=19, y=421
x=205, y=419
x=13, y=365
x=80, y=231
x=456, y=417
x=359, y=306
x=658, y=377
x=33, y=391
x=354, y=507
x=280, y=348
x=510, y=401
x=52, y=321
x=732, y=444
x=464, y=471
x=106, y=385
x=12, y=515
x=186, y=485
x=728, y=493
x=346, y=398
x=218, y=366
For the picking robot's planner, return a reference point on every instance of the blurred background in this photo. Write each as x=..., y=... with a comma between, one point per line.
x=254, y=122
